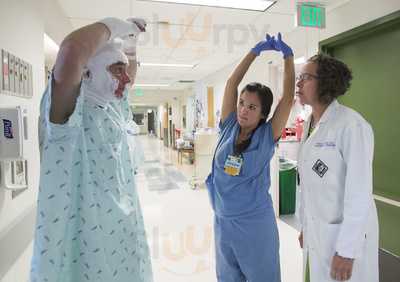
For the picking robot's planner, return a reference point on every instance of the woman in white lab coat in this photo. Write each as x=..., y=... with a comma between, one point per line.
x=339, y=221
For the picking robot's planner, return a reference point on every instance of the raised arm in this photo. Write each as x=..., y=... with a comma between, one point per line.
x=74, y=53
x=282, y=111
x=231, y=88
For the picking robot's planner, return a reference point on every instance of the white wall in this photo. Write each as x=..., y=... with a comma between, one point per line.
x=356, y=13
x=154, y=97
x=190, y=110
x=160, y=130
x=176, y=117
x=259, y=71
x=14, y=38
x=21, y=33
x=56, y=24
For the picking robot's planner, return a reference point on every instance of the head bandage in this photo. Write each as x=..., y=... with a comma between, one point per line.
x=100, y=84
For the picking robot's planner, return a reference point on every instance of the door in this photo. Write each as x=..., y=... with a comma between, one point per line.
x=150, y=123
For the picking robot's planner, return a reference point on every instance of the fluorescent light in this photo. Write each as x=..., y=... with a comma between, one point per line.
x=166, y=65
x=150, y=85
x=254, y=5
x=300, y=61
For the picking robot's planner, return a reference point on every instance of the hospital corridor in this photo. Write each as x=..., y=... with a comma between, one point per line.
x=179, y=221
x=199, y=141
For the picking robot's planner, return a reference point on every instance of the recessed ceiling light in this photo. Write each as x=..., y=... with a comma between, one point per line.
x=254, y=5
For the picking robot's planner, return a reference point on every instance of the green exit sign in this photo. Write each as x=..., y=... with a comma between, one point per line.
x=310, y=15
x=139, y=92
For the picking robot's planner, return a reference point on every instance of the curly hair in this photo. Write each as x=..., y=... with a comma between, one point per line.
x=334, y=77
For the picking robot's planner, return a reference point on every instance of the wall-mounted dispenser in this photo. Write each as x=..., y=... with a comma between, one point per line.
x=13, y=136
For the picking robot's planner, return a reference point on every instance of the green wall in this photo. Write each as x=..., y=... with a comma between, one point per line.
x=375, y=93
x=373, y=53
x=389, y=226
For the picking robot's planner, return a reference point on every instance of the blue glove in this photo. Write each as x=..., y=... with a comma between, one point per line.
x=283, y=47
x=267, y=44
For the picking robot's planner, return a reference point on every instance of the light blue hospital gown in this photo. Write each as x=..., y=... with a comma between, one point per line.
x=246, y=233
x=89, y=221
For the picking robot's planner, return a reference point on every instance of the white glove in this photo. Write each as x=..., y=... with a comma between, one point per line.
x=121, y=28
x=130, y=41
x=129, y=46
x=141, y=23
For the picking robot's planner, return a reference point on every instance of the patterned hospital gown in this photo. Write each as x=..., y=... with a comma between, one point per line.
x=89, y=221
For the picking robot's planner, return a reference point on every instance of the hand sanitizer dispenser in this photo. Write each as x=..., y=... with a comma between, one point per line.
x=13, y=135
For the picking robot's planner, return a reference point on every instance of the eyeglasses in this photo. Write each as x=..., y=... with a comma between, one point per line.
x=306, y=76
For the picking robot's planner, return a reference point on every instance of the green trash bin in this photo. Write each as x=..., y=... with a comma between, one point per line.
x=287, y=186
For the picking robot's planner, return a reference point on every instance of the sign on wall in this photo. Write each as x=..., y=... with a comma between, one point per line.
x=310, y=15
x=16, y=76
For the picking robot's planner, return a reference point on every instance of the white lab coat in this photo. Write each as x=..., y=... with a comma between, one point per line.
x=337, y=210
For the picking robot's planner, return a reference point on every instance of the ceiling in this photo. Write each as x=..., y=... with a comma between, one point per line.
x=209, y=38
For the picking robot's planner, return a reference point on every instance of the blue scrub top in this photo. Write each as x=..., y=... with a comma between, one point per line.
x=247, y=193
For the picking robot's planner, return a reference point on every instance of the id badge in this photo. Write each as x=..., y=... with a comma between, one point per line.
x=233, y=164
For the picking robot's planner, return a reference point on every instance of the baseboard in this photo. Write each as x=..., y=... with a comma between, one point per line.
x=389, y=267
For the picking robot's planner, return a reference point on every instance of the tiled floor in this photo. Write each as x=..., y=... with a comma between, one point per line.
x=179, y=221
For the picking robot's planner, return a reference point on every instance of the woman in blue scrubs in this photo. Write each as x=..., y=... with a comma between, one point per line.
x=246, y=234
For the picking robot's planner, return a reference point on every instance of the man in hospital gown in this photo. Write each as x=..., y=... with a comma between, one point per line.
x=89, y=221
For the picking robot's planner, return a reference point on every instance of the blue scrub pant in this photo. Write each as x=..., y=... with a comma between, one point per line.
x=247, y=249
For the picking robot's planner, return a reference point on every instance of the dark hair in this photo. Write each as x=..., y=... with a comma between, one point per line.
x=334, y=77
x=266, y=98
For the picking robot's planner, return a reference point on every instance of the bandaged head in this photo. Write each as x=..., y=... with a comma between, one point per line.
x=99, y=82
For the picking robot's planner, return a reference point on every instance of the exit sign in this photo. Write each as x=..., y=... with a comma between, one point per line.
x=310, y=15
x=138, y=92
